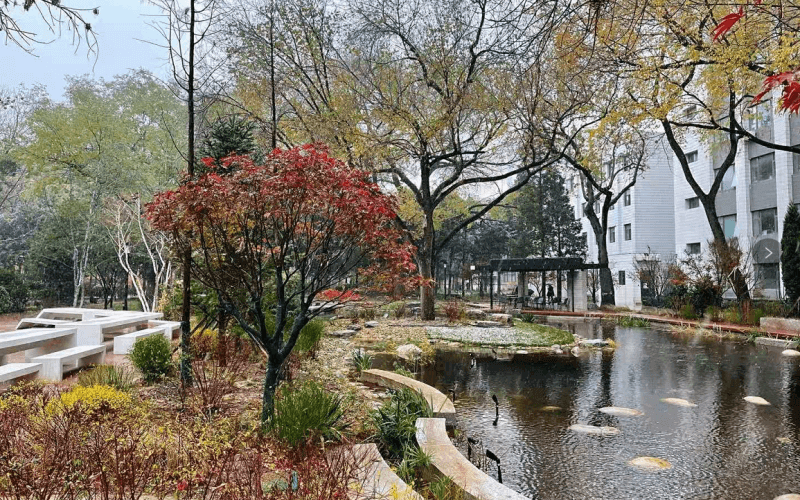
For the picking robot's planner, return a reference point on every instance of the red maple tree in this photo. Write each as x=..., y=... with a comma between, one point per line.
x=273, y=236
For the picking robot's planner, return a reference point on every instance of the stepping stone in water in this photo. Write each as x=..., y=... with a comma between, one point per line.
x=594, y=430
x=550, y=408
x=784, y=440
x=757, y=400
x=649, y=463
x=790, y=496
x=791, y=353
x=678, y=402
x=618, y=411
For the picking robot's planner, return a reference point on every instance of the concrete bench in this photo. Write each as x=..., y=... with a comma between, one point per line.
x=16, y=371
x=124, y=343
x=441, y=406
x=33, y=322
x=171, y=327
x=93, y=332
x=448, y=461
x=36, y=341
x=53, y=364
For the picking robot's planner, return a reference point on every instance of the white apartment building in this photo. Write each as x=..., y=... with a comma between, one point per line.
x=641, y=222
x=663, y=216
x=753, y=198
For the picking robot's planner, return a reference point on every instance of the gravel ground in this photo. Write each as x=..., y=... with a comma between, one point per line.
x=486, y=336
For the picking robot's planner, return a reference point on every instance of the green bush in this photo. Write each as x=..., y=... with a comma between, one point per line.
x=305, y=412
x=705, y=293
x=117, y=377
x=361, y=360
x=16, y=291
x=732, y=315
x=396, y=419
x=310, y=336
x=687, y=312
x=153, y=357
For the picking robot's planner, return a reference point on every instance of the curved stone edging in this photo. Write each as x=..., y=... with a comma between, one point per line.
x=448, y=461
x=377, y=480
x=440, y=404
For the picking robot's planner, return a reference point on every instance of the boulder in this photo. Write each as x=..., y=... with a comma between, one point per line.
x=501, y=318
x=791, y=353
x=618, y=411
x=409, y=352
x=475, y=313
x=371, y=324
x=343, y=333
x=649, y=463
x=756, y=400
x=488, y=324
x=594, y=343
x=678, y=402
x=594, y=430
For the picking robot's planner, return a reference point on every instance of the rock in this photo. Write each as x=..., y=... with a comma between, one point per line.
x=355, y=327
x=576, y=351
x=385, y=315
x=409, y=352
x=594, y=343
x=757, y=400
x=371, y=324
x=618, y=411
x=791, y=352
x=784, y=440
x=488, y=324
x=678, y=402
x=788, y=496
x=343, y=333
x=521, y=352
x=649, y=463
x=502, y=318
x=594, y=430
x=475, y=313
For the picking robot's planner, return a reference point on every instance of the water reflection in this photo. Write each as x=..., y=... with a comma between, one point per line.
x=723, y=448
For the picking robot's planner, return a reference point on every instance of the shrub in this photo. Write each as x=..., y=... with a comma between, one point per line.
x=528, y=318
x=153, y=357
x=632, y=322
x=16, y=291
x=395, y=420
x=454, y=310
x=367, y=313
x=117, y=377
x=204, y=343
x=687, y=312
x=704, y=293
x=330, y=295
x=310, y=336
x=90, y=399
x=361, y=360
x=307, y=411
x=400, y=310
x=732, y=315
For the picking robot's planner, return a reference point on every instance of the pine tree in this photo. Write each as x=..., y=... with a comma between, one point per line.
x=790, y=253
x=228, y=136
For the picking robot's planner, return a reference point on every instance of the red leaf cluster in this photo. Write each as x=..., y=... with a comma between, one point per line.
x=302, y=210
x=727, y=23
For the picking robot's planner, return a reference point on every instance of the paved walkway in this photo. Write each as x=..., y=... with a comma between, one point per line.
x=711, y=325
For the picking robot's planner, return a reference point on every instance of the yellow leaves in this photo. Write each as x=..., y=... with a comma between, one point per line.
x=91, y=399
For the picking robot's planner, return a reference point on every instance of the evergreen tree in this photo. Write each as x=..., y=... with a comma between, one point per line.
x=226, y=137
x=790, y=253
x=544, y=221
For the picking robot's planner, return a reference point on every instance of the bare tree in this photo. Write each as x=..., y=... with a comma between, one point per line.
x=185, y=31
x=654, y=273
x=56, y=18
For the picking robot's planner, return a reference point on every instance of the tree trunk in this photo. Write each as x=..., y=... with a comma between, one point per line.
x=270, y=385
x=185, y=363
x=427, y=290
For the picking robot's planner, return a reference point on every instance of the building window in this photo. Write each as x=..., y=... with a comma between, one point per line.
x=628, y=232
x=728, y=224
x=692, y=203
x=767, y=276
x=691, y=157
x=693, y=248
x=612, y=236
x=728, y=179
x=760, y=116
x=626, y=200
x=622, y=277
x=796, y=162
x=762, y=168
x=765, y=221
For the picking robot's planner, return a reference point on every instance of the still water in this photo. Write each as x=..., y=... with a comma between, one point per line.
x=723, y=448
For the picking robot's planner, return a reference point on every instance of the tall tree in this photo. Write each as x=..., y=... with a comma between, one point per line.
x=790, y=254
x=186, y=31
x=444, y=87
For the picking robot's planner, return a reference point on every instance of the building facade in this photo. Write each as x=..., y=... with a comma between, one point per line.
x=663, y=215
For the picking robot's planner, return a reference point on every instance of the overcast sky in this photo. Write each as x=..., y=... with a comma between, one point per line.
x=118, y=26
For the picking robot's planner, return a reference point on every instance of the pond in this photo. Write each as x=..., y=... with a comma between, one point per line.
x=725, y=447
